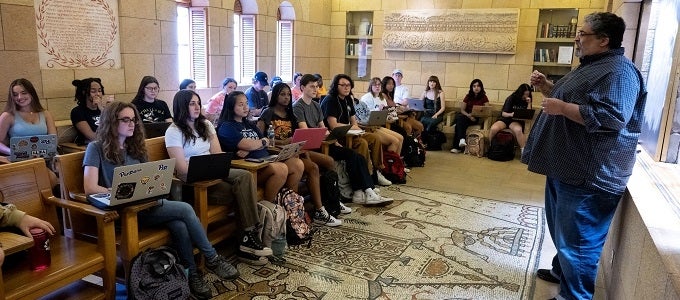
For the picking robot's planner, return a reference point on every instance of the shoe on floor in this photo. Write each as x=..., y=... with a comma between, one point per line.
x=251, y=243
x=462, y=143
x=322, y=217
x=198, y=287
x=221, y=267
x=359, y=197
x=382, y=180
x=407, y=170
x=373, y=198
x=251, y=259
x=546, y=275
x=344, y=209
x=454, y=150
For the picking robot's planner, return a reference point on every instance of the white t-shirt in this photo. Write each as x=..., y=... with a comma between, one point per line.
x=174, y=138
x=401, y=94
x=373, y=103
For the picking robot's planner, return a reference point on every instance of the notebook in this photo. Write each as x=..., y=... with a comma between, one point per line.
x=209, y=167
x=525, y=114
x=481, y=111
x=152, y=130
x=287, y=151
x=34, y=146
x=416, y=104
x=376, y=118
x=338, y=132
x=132, y=183
x=312, y=136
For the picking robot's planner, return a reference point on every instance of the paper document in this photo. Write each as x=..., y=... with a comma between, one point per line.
x=565, y=54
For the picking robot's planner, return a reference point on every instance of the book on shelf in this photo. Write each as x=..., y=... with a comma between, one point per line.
x=564, y=54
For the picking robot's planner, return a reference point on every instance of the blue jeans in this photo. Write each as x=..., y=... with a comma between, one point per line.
x=185, y=229
x=578, y=221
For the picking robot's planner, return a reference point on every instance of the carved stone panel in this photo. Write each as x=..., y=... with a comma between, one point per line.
x=452, y=30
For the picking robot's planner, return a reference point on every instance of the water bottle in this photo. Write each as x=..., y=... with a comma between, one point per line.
x=271, y=135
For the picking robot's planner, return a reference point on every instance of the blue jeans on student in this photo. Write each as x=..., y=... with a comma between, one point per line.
x=578, y=220
x=185, y=228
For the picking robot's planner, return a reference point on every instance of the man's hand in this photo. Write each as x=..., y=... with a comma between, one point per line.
x=553, y=106
x=28, y=222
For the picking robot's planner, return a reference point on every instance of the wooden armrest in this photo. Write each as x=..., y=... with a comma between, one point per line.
x=108, y=216
x=247, y=165
x=134, y=209
x=205, y=183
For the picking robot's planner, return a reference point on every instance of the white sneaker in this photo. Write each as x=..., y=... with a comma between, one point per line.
x=454, y=150
x=462, y=143
x=376, y=190
x=373, y=198
x=344, y=209
x=359, y=197
x=407, y=170
x=321, y=216
x=382, y=180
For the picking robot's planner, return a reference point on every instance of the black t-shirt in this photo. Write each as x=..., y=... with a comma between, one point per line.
x=156, y=111
x=340, y=108
x=82, y=113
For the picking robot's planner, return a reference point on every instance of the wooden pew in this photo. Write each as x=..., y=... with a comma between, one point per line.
x=26, y=184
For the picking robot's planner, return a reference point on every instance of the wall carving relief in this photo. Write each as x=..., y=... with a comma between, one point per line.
x=452, y=30
x=77, y=33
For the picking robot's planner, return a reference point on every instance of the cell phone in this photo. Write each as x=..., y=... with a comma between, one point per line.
x=255, y=160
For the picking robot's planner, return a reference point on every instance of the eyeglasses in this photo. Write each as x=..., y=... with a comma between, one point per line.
x=127, y=120
x=344, y=85
x=581, y=33
x=152, y=89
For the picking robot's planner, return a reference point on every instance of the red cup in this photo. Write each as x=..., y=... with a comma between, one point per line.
x=39, y=254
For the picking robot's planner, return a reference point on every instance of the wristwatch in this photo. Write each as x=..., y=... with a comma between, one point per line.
x=264, y=143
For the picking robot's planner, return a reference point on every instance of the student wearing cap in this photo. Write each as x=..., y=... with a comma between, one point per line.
x=257, y=97
x=275, y=80
x=401, y=92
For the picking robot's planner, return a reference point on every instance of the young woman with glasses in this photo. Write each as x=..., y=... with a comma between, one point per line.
x=151, y=109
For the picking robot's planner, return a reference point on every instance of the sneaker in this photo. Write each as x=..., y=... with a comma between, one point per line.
x=251, y=244
x=376, y=190
x=344, y=209
x=373, y=198
x=223, y=269
x=251, y=259
x=407, y=170
x=359, y=197
x=321, y=216
x=382, y=180
x=454, y=150
x=462, y=143
x=198, y=287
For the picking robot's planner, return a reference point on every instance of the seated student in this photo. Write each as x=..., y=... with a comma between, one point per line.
x=24, y=116
x=191, y=134
x=275, y=80
x=11, y=216
x=257, y=97
x=308, y=115
x=371, y=101
x=433, y=102
x=213, y=108
x=321, y=92
x=85, y=116
x=151, y=109
x=475, y=96
x=279, y=114
x=237, y=134
x=410, y=124
x=187, y=84
x=120, y=141
x=338, y=110
x=295, y=89
x=519, y=99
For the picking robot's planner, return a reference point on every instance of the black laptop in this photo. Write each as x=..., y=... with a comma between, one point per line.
x=338, y=132
x=209, y=167
x=524, y=114
x=156, y=129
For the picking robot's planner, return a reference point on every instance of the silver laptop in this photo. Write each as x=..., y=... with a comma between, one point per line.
x=416, y=104
x=133, y=183
x=286, y=152
x=34, y=146
x=376, y=118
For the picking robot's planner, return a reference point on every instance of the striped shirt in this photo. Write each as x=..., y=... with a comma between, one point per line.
x=599, y=155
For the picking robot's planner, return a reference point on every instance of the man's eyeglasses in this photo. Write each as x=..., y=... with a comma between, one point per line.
x=152, y=89
x=581, y=33
x=127, y=120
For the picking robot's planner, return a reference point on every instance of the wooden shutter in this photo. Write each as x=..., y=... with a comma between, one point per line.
x=247, y=49
x=199, y=46
x=284, y=60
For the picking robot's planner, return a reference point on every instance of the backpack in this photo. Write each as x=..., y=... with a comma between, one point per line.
x=272, y=222
x=330, y=192
x=433, y=140
x=157, y=274
x=344, y=184
x=298, y=222
x=502, y=146
x=413, y=152
x=394, y=167
x=475, y=141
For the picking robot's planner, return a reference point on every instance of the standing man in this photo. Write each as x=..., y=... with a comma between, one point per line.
x=401, y=92
x=257, y=97
x=584, y=142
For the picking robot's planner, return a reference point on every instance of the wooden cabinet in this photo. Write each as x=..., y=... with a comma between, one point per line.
x=359, y=44
x=554, y=50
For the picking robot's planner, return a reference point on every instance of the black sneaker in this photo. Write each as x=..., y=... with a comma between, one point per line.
x=221, y=267
x=546, y=275
x=252, y=244
x=252, y=259
x=199, y=288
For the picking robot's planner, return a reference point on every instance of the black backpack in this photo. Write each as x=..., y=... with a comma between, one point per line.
x=330, y=192
x=433, y=140
x=157, y=274
x=413, y=152
x=502, y=146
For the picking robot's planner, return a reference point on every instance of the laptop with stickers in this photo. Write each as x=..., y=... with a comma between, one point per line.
x=138, y=182
x=286, y=152
x=33, y=146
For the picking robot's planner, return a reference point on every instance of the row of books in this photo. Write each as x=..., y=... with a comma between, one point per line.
x=561, y=55
x=359, y=49
x=548, y=30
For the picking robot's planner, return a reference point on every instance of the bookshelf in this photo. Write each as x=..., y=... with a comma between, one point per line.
x=554, y=50
x=359, y=44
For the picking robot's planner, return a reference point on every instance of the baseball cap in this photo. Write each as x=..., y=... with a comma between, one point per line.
x=262, y=78
x=276, y=80
x=397, y=71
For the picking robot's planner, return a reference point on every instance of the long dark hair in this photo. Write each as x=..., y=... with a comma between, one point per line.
x=437, y=87
x=11, y=107
x=384, y=91
x=276, y=91
x=83, y=89
x=519, y=92
x=180, y=109
x=333, y=91
x=227, y=113
x=471, y=93
x=140, y=91
x=107, y=134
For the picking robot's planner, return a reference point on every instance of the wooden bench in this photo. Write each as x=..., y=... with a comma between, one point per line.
x=26, y=184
